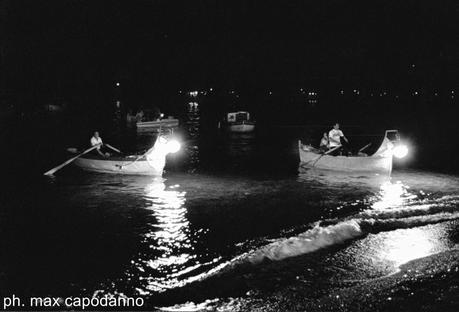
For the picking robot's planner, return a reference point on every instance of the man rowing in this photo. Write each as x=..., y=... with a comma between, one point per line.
x=336, y=138
x=97, y=140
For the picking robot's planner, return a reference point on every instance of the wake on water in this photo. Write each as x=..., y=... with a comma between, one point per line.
x=392, y=209
x=321, y=237
x=339, y=231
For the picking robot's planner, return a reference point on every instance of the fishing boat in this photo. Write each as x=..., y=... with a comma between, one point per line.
x=151, y=163
x=154, y=125
x=239, y=122
x=379, y=162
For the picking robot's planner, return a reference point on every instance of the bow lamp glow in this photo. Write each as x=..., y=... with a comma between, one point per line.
x=173, y=146
x=400, y=151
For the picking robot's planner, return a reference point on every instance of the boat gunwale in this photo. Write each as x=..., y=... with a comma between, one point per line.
x=373, y=156
x=112, y=158
x=100, y=165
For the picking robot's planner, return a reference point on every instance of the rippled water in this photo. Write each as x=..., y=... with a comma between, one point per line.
x=143, y=236
x=205, y=233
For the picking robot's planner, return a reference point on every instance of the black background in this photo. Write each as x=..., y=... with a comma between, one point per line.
x=402, y=57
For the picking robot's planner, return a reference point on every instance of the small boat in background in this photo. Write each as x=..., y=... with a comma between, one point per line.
x=239, y=122
x=54, y=108
x=154, y=125
x=379, y=162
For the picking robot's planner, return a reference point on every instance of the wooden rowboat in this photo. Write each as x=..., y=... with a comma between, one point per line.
x=151, y=163
x=119, y=165
x=379, y=162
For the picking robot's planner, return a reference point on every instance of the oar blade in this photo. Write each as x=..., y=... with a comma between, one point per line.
x=50, y=172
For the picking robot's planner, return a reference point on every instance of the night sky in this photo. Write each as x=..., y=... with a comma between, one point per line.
x=58, y=48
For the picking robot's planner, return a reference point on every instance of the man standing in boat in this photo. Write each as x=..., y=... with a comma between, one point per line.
x=336, y=138
x=97, y=140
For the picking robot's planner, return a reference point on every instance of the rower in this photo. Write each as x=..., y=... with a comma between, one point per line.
x=97, y=140
x=336, y=138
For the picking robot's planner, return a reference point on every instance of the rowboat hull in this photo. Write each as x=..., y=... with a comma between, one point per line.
x=241, y=127
x=378, y=163
x=125, y=165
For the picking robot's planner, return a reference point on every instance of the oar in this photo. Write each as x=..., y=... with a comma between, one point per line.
x=326, y=153
x=138, y=158
x=52, y=171
x=365, y=147
x=332, y=150
x=113, y=148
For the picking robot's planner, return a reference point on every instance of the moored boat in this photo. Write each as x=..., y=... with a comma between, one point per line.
x=146, y=126
x=379, y=162
x=152, y=163
x=240, y=122
x=242, y=127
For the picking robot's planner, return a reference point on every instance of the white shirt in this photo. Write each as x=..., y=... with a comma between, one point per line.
x=95, y=141
x=334, y=137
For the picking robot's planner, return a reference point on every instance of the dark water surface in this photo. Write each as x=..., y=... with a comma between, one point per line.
x=234, y=224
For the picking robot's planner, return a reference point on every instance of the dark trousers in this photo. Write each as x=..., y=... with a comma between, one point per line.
x=344, y=150
x=336, y=151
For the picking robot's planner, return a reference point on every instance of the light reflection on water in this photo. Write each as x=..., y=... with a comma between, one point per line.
x=402, y=246
x=405, y=222
x=168, y=207
x=168, y=235
x=171, y=260
x=192, y=125
x=392, y=195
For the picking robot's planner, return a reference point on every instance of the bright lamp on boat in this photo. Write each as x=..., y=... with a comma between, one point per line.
x=400, y=151
x=173, y=146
